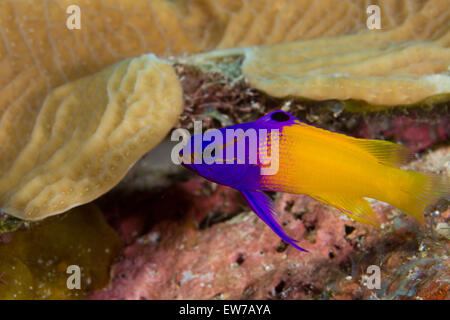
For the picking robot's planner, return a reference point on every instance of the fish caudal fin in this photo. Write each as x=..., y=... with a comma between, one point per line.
x=262, y=206
x=357, y=209
x=416, y=191
x=408, y=191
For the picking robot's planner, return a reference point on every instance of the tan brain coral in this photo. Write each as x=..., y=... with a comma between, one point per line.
x=87, y=135
x=260, y=22
x=378, y=72
x=335, y=56
x=402, y=66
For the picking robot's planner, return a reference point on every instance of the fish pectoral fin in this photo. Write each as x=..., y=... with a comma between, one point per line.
x=358, y=209
x=262, y=206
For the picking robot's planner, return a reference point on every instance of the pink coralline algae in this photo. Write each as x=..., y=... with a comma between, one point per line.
x=412, y=131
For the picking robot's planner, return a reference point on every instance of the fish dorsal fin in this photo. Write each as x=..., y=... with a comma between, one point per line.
x=386, y=152
x=262, y=206
x=357, y=209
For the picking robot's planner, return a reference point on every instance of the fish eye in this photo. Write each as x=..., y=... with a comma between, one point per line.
x=279, y=116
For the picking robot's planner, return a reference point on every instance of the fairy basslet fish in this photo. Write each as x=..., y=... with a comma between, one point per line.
x=332, y=168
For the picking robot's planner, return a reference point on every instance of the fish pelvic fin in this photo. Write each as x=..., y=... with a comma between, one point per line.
x=262, y=206
x=386, y=152
x=358, y=209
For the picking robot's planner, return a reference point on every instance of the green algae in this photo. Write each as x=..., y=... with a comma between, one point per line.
x=34, y=261
x=226, y=62
x=9, y=223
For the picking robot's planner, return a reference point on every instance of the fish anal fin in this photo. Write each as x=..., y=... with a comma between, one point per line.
x=386, y=152
x=358, y=209
x=262, y=206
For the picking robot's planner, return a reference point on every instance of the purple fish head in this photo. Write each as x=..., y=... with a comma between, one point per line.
x=208, y=158
x=235, y=156
x=231, y=156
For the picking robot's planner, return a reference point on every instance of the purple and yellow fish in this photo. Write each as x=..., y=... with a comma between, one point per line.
x=280, y=153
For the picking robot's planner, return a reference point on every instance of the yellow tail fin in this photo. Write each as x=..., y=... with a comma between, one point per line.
x=416, y=191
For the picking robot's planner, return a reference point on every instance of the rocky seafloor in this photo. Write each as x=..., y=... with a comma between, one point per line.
x=198, y=240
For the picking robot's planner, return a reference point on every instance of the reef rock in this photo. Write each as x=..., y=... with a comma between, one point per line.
x=236, y=256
